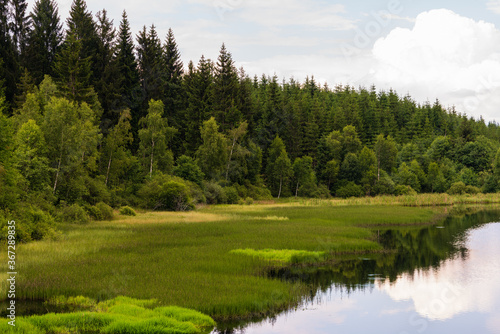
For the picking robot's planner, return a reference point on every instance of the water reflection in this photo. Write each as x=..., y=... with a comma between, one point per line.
x=432, y=280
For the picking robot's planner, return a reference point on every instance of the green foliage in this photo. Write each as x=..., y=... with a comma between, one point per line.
x=166, y=193
x=31, y=224
x=212, y=154
x=404, y=190
x=231, y=195
x=279, y=167
x=127, y=211
x=154, y=138
x=187, y=169
x=283, y=255
x=214, y=193
x=350, y=190
x=101, y=211
x=73, y=214
x=120, y=315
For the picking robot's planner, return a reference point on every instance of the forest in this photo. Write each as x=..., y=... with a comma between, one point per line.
x=95, y=117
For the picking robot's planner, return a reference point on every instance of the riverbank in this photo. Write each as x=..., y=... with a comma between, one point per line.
x=191, y=259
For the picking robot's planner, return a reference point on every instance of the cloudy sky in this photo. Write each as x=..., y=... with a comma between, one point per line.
x=442, y=49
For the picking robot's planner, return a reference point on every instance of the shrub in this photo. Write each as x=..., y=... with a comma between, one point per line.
x=350, y=190
x=174, y=196
x=402, y=190
x=249, y=201
x=231, y=195
x=73, y=214
x=214, y=193
x=457, y=188
x=105, y=211
x=31, y=224
x=472, y=190
x=127, y=211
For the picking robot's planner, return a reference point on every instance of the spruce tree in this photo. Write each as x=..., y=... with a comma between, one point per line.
x=151, y=65
x=44, y=39
x=73, y=72
x=199, y=84
x=10, y=66
x=81, y=24
x=128, y=75
x=226, y=91
x=19, y=27
x=107, y=88
x=173, y=77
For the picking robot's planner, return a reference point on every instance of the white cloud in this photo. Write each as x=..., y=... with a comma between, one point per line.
x=494, y=6
x=445, y=56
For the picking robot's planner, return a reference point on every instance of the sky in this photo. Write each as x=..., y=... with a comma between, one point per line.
x=440, y=49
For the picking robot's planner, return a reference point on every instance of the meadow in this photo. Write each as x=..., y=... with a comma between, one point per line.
x=211, y=259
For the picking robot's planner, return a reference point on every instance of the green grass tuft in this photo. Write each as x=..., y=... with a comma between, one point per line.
x=283, y=255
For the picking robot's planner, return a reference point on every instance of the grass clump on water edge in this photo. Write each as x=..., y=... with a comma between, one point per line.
x=121, y=315
x=288, y=256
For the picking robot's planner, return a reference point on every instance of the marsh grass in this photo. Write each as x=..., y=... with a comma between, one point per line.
x=185, y=259
x=121, y=315
x=287, y=256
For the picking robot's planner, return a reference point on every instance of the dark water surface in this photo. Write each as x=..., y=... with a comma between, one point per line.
x=443, y=278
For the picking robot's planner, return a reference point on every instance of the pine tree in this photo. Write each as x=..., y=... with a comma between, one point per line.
x=9, y=70
x=128, y=76
x=198, y=84
x=173, y=77
x=44, y=39
x=151, y=64
x=73, y=72
x=107, y=88
x=226, y=91
x=81, y=24
x=19, y=28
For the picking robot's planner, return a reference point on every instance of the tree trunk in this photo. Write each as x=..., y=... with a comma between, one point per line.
x=297, y=190
x=230, y=155
x=109, y=167
x=57, y=173
x=378, y=170
x=281, y=182
x=151, y=164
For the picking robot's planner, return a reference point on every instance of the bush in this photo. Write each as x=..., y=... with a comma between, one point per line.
x=174, y=196
x=384, y=186
x=402, y=190
x=457, y=188
x=249, y=201
x=350, y=190
x=31, y=224
x=214, y=193
x=231, y=195
x=73, y=214
x=472, y=190
x=127, y=211
x=105, y=210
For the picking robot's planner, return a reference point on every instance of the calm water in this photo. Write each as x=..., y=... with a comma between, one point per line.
x=441, y=279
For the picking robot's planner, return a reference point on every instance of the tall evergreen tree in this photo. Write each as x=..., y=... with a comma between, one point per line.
x=44, y=39
x=199, y=90
x=151, y=64
x=107, y=88
x=19, y=27
x=173, y=77
x=73, y=72
x=128, y=76
x=9, y=70
x=81, y=24
x=226, y=91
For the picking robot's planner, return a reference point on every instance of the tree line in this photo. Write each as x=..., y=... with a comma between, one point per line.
x=92, y=117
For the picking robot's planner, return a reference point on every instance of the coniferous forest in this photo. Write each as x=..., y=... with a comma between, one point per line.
x=95, y=116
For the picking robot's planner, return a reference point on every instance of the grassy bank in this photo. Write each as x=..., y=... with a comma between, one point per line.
x=189, y=259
